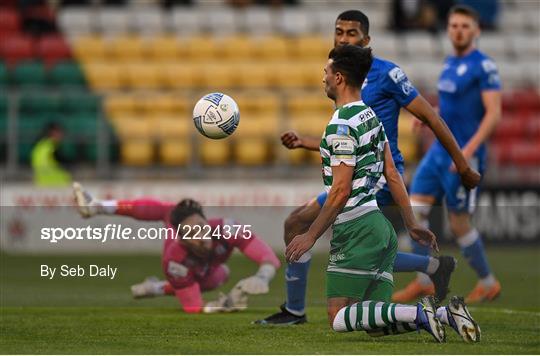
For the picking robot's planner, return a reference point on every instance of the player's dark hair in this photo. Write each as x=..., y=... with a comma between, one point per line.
x=353, y=62
x=185, y=209
x=464, y=10
x=358, y=16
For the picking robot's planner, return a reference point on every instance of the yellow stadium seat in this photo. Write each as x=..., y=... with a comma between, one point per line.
x=214, y=152
x=218, y=75
x=263, y=103
x=237, y=47
x=174, y=152
x=313, y=74
x=181, y=75
x=133, y=128
x=127, y=48
x=103, y=76
x=251, y=151
x=297, y=156
x=312, y=125
x=313, y=47
x=254, y=75
x=120, y=105
x=164, y=48
x=164, y=105
x=136, y=152
x=201, y=47
x=173, y=128
x=289, y=76
x=90, y=48
x=263, y=125
x=272, y=47
x=317, y=104
x=142, y=75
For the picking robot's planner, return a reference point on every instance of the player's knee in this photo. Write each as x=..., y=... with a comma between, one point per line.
x=460, y=224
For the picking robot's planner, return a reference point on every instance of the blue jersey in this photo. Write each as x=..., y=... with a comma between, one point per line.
x=460, y=96
x=386, y=90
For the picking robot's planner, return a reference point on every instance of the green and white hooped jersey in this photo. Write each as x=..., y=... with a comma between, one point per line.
x=356, y=137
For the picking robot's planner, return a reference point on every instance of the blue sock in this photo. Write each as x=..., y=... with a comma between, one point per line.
x=418, y=249
x=296, y=280
x=409, y=262
x=472, y=249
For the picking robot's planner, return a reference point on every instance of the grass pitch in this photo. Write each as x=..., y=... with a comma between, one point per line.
x=91, y=315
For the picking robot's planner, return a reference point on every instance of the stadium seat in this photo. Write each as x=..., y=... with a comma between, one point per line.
x=76, y=21
x=173, y=152
x=103, y=76
x=314, y=104
x=221, y=19
x=496, y=45
x=202, y=48
x=67, y=73
x=136, y=152
x=385, y=46
x=186, y=20
x=90, y=48
x=133, y=128
x=273, y=47
x=140, y=75
x=120, y=105
x=127, y=48
x=147, y=20
x=421, y=44
x=254, y=75
x=258, y=103
x=526, y=46
x=164, y=48
x=219, y=75
x=290, y=75
x=312, y=47
x=164, y=105
x=251, y=151
x=10, y=21
x=257, y=20
x=81, y=103
x=257, y=126
x=294, y=21
x=52, y=49
x=39, y=103
x=29, y=73
x=237, y=47
x=214, y=152
x=3, y=74
x=180, y=75
x=82, y=127
x=311, y=125
x=113, y=21
x=16, y=48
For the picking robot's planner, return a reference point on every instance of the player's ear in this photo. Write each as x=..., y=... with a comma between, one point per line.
x=365, y=41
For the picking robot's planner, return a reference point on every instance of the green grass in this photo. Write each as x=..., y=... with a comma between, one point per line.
x=91, y=315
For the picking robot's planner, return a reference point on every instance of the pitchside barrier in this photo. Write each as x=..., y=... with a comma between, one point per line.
x=36, y=220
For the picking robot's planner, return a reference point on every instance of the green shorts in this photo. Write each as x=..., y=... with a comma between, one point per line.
x=362, y=250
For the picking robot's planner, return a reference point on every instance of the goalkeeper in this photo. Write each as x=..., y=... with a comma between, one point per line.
x=192, y=266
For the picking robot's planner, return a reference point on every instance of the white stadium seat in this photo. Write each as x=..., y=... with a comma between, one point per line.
x=259, y=20
x=113, y=21
x=526, y=47
x=221, y=20
x=295, y=21
x=422, y=44
x=147, y=20
x=495, y=45
x=187, y=21
x=385, y=46
x=77, y=21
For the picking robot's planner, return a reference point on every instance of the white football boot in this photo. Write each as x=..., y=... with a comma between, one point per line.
x=146, y=289
x=86, y=204
x=461, y=321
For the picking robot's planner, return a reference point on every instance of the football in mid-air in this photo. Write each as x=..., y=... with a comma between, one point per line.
x=216, y=115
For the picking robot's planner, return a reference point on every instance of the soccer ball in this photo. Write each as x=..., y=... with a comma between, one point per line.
x=216, y=115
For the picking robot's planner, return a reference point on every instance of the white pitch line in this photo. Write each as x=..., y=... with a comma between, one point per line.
x=504, y=311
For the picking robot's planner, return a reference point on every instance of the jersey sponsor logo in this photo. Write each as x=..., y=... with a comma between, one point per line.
x=494, y=79
x=461, y=69
x=366, y=115
x=397, y=75
x=447, y=86
x=343, y=146
x=342, y=130
x=407, y=87
x=177, y=270
x=489, y=66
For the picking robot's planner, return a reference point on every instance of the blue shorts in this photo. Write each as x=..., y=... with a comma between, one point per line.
x=433, y=177
x=384, y=197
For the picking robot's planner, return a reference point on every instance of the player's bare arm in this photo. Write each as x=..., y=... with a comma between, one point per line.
x=292, y=140
x=420, y=108
x=399, y=193
x=492, y=104
x=337, y=198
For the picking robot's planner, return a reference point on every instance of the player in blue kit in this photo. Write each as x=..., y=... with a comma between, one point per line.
x=470, y=104
x=386, y=90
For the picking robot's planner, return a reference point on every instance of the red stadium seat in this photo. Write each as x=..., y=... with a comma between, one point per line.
x=53, y=49
x=14, y=49
x=527, y=99
x=10, y=21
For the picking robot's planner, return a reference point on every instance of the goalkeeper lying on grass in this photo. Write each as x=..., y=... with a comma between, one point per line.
x=193, y=259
